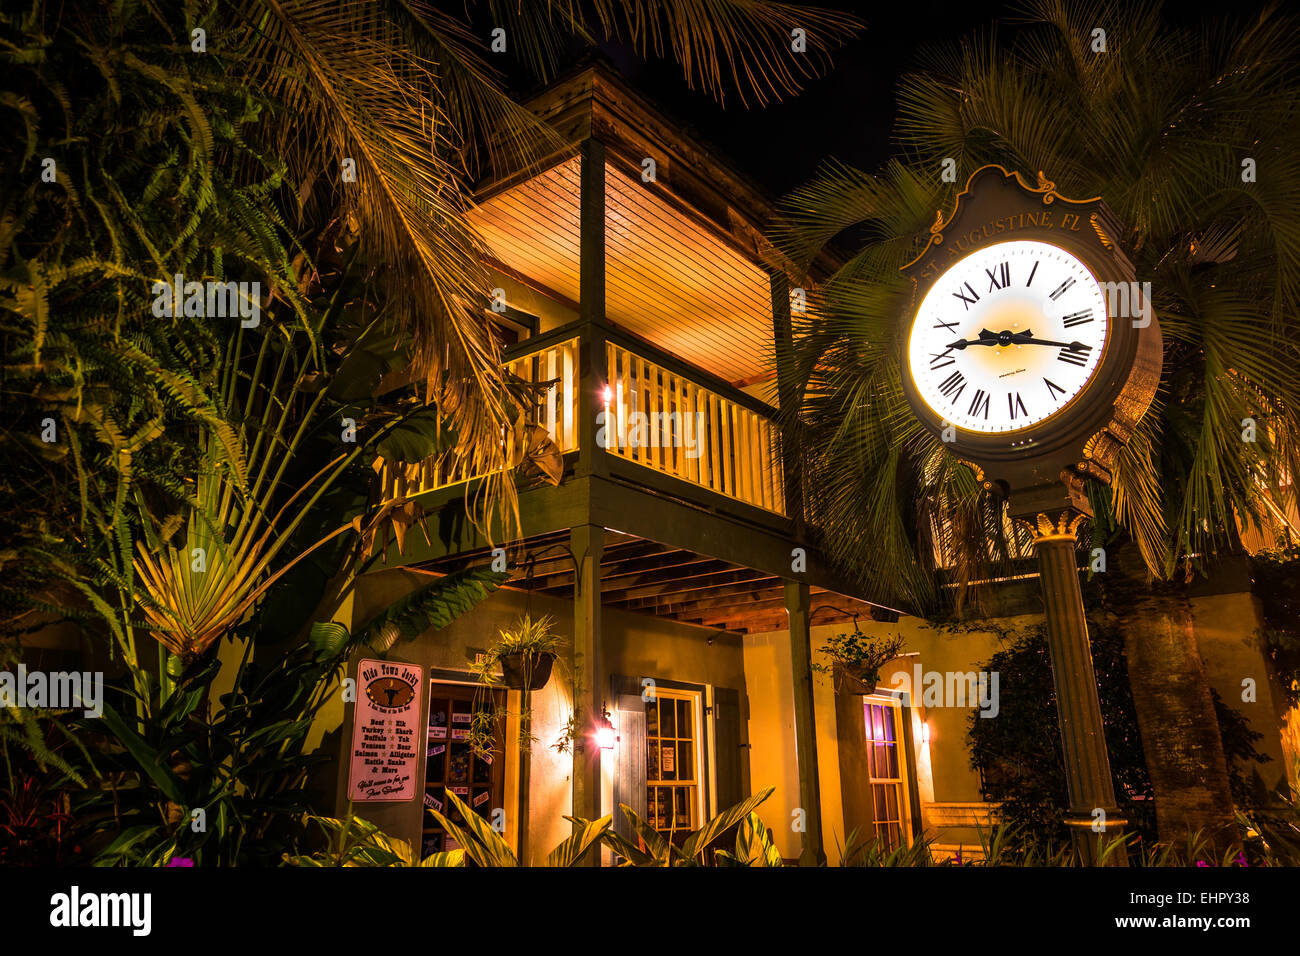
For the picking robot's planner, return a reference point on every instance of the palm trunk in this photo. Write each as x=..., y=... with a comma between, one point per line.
x=1175, y=712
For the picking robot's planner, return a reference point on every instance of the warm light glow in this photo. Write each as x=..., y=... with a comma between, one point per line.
x=605, y=737
x=964, y=354
x=925, y=732
x=609, y=394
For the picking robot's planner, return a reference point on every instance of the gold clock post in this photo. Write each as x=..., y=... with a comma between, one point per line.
x=1094, y=818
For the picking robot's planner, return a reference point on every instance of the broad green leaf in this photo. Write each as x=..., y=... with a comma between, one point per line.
x=572, y=850
x=149, y=759
x=728, y=818
x=444, y=858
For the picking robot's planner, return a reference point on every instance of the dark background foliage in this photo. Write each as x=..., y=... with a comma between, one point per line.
x=1018, y=754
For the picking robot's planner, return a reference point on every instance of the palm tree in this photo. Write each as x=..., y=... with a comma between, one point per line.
x=327, y=150
x=1191, y=136
x=258, y=140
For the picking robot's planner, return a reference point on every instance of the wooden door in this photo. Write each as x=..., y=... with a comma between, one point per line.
x=451, y=765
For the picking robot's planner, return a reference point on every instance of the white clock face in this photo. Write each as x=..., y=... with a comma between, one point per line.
x=1008, y=336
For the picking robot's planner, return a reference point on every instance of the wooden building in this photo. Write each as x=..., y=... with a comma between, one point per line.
x=672, y=553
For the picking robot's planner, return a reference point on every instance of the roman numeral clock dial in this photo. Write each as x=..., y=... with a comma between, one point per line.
x=1007, y=337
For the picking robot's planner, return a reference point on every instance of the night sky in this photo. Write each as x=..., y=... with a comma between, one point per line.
x=847, y=113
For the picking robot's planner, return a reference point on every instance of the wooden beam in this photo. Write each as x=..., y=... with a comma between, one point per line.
x=773, y=600
x=586, y=542
x=745, y=593
x=591, y=297
x=723, y=575
x=805, y=729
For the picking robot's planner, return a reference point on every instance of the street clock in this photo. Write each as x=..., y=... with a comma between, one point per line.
x=1031, y=350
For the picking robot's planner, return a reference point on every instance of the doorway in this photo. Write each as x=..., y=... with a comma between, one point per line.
x=451, y=765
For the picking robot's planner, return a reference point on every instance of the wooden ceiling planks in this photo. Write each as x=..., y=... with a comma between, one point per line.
x=668, y=279
x=645, y=577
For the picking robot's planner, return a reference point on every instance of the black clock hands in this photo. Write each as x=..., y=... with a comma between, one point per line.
x=1007, y=337
x=986, y=338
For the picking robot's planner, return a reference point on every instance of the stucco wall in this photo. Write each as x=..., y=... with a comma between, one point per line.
x=635, y=646
x=947, y=786
x=943, y=774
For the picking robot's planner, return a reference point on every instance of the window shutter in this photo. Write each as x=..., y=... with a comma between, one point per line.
x=629, y=781
x=726, y=735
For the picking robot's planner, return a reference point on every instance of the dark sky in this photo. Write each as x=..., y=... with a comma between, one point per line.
x=849, y=112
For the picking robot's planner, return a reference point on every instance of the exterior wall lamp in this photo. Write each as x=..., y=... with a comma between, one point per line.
x=605, y=736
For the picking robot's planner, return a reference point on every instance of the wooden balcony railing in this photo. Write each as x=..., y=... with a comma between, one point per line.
x=556, y=409
x=658, y=412
x=671, y=424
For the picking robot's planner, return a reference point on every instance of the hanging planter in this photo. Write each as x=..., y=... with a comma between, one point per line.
x=857, y=684
x=855, y=660
x=529, y=670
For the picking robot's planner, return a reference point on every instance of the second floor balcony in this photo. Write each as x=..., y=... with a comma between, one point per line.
x=649, y=409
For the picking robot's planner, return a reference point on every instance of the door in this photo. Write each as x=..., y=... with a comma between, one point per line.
x=452, y=765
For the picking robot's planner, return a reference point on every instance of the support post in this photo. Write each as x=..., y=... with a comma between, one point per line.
x=787, y=388
x=591, y=306
x=525, y=769
x=1083, y=742
x=797, y=605
x=586, y=543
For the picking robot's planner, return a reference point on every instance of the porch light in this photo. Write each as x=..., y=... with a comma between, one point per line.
x=605, y=737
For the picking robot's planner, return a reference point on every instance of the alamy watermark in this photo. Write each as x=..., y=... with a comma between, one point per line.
x=55, y=690
x=211, y=299
x=1129, y=300
x=652, y=430
x=951, y=688
x=75, y=909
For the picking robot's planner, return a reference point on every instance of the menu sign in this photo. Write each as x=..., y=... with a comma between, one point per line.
x=386, y=724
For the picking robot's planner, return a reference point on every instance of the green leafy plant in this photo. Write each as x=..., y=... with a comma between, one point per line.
x=1275, y=577
x=228, y=784
x=483, y=846
x=526, y=637
x=1018, y=755
x=353, y=841
x=858, y=655
x=528, y=640
x=753, y=847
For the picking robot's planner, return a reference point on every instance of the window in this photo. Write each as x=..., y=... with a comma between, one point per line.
x=673, y=762
x=886, y=767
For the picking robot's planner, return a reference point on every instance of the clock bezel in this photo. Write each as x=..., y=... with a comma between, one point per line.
x=991, y=196
x=1075, y=398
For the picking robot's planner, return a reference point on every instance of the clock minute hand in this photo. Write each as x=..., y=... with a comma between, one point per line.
x=1028, y=339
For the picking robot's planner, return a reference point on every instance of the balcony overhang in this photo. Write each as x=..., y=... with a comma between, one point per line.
x=643, y=576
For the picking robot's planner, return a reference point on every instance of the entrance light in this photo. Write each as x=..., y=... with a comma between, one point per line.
x=605, y=737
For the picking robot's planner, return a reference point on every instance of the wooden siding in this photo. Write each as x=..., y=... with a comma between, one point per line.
x=668, y=280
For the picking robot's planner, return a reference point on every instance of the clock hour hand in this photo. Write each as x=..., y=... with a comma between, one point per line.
x=986, y=338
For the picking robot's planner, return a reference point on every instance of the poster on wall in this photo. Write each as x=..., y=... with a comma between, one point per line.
x=385, y=729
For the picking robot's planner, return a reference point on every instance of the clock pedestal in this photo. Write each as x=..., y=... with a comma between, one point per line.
x=1093, y=817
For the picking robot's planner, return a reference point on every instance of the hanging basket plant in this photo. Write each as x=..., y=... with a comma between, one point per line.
x=525, y=652
x=848, y=683
x=526, y=669
x=855, y=660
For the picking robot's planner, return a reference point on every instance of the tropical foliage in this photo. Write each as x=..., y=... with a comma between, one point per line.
x=1221, y=249
x=1018, y=756
x=182, y=479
